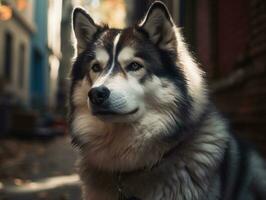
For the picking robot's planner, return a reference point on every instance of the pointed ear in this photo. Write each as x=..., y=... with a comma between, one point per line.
x=159, y=26
x=84, y=28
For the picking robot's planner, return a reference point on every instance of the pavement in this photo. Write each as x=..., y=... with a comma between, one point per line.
x=38, y=170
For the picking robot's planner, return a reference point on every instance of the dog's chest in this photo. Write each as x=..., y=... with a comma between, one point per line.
x=167, y=183
x=151, y=186
x=142, y=190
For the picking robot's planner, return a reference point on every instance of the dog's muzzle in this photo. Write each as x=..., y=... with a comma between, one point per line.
x=103, y=103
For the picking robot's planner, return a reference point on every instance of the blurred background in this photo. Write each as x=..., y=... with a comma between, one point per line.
x=36, y=160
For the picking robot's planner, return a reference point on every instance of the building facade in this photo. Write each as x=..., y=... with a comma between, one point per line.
x=39, y=73
x=30, y=52
x=45, y=54
x=231, y=44
x=54, y=48
x=15, y=50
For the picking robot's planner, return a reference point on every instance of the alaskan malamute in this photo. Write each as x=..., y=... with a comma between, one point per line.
x=141, y=117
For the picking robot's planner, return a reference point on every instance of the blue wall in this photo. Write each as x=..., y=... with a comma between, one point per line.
x=39, y=73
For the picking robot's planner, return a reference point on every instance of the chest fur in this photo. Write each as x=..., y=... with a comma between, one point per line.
x=171, y=182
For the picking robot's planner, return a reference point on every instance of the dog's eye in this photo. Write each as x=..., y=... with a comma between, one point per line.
x=96, y=68
x=134, y=66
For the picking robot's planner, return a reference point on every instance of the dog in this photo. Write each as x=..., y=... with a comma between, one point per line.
x=141, y=117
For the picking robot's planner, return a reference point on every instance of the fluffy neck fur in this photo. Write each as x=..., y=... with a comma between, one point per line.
x=188, y=168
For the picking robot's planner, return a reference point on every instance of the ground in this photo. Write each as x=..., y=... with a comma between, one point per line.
x=38, y=169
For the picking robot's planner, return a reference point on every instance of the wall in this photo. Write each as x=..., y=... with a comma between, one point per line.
x=54, y=45
x=232, y=47
x=21, y=29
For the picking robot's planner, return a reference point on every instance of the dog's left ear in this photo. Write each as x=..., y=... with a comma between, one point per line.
x=159, y=26
x=84, y=28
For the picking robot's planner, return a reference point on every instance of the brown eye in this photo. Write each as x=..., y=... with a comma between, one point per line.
x=96, y=68
x=134, y=66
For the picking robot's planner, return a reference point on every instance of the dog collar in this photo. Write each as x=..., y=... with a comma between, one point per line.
x=122, y=195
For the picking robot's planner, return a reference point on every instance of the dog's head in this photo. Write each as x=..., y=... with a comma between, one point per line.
x=140, y=77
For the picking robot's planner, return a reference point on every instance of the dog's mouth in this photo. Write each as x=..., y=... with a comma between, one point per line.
x=110, y=112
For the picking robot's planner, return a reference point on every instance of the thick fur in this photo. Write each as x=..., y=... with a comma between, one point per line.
x=161, y=138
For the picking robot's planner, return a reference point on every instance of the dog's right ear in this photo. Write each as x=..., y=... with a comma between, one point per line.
x=159, y=26
x=84, y=28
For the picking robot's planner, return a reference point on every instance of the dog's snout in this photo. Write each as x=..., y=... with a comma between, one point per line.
x=99, y=95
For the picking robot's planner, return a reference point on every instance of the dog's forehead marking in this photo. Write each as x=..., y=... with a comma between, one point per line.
x=101, y=55
x=127, y=53
x=101, y=80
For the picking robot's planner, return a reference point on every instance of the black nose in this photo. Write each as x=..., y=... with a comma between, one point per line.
x=98, y=95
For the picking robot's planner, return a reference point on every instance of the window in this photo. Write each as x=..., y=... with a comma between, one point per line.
x=21, y=65
x=8, y=55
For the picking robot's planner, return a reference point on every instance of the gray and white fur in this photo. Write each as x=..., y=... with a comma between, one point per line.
x=142, y=120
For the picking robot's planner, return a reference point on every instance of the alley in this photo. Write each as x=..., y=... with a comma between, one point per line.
x=37, y=169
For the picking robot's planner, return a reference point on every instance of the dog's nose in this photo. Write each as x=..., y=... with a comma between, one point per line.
x=98, y=95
